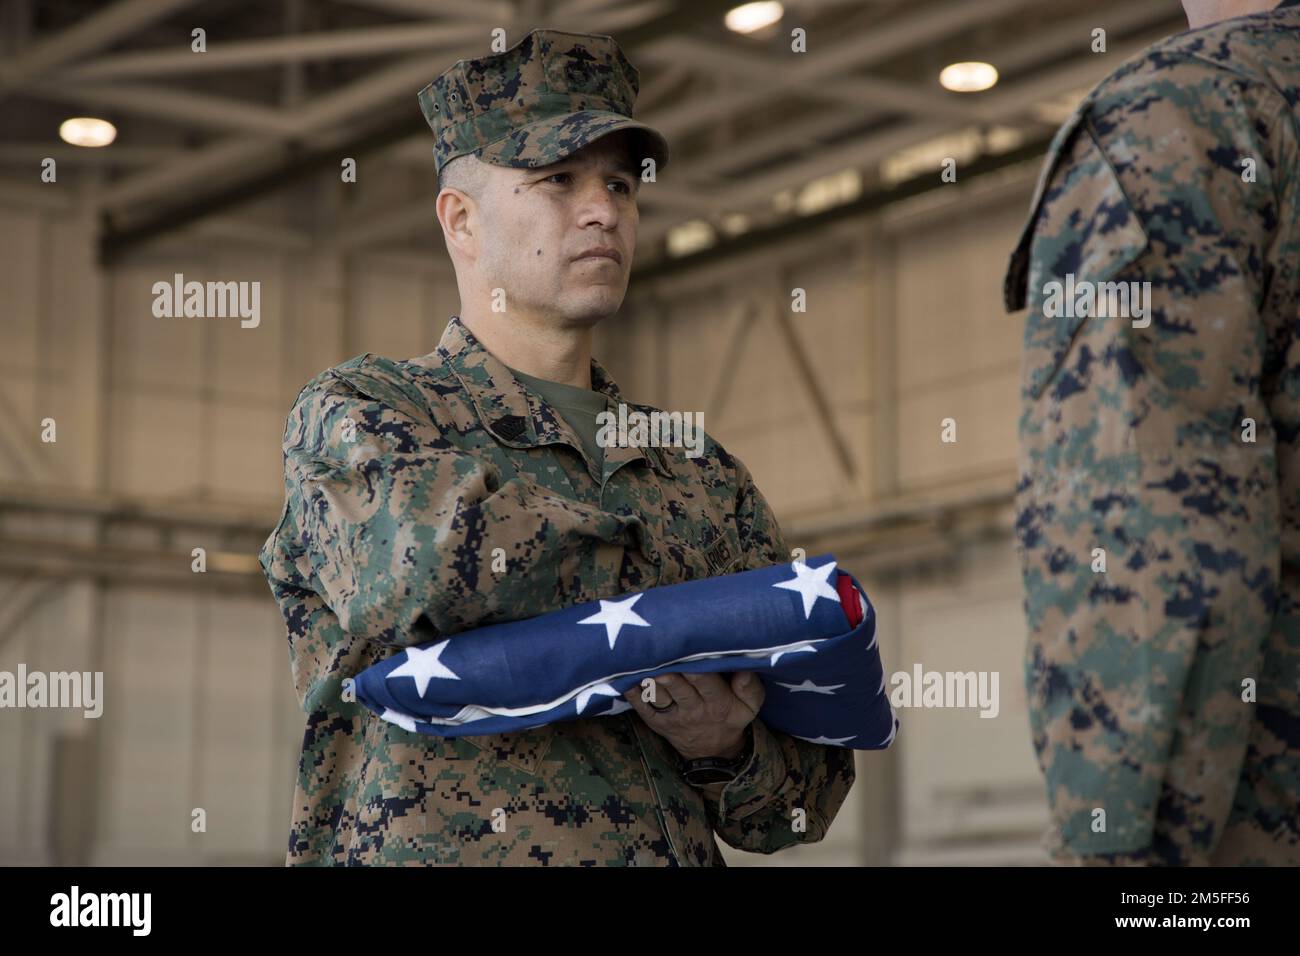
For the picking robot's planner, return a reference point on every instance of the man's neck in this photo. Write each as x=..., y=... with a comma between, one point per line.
x=1202, y=13
x=556, y=355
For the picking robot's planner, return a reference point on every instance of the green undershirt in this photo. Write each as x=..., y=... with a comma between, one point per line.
x=579, y=406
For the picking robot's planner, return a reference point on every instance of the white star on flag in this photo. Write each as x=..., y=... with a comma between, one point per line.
x=811, y=583
x=811, y=688
x=423, y=665
x=614, y=614
x=619, y=706
x=827, y=741
x=405, y=721
x=587, y=693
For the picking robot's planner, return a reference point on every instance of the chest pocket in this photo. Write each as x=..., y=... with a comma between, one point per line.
x=693, y=524
x=1088, y=234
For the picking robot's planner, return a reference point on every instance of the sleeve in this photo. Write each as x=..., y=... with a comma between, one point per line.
x=405, y=537
x=790, y=789
x=1147, y=515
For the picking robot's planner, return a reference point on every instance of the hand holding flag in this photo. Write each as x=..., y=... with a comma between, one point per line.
x=705, y=714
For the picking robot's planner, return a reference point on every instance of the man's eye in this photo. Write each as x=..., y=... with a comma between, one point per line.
x=625, y=187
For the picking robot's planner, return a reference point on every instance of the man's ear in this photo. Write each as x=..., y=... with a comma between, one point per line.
x=456, y=214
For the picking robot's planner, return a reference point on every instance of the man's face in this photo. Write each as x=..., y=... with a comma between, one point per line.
x=540, y=222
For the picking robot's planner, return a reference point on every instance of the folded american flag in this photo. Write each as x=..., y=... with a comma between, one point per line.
x=806, y=629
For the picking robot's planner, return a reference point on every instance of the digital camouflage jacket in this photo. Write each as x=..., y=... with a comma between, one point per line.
x=1158, y=503
x=403, y=481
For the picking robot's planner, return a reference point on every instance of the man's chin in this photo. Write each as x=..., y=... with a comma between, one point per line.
x=590, y=309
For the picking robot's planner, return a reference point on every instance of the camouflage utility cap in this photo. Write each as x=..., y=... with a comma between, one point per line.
x=549, y=95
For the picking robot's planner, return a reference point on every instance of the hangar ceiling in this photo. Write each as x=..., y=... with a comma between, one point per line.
x=256, y=125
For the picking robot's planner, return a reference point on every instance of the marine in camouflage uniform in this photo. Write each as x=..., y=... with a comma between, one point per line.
x=404, y=480
x=1165, y=691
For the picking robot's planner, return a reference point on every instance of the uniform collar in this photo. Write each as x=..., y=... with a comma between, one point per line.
x=514, y=415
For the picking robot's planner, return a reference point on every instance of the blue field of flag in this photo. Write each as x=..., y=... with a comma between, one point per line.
x=823, y=678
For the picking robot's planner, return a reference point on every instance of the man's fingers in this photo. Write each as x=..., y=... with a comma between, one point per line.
x=692, y=692
x=747, y=686
x=659, y=693
x=641, y=707
x=710, y=687
x=680, y=690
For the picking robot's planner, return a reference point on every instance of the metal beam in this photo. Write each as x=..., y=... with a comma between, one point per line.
x=93, y=33
x=807, y=376
x=1048, y=45
x=79, y=156
x=786, y=230
x=183, y=106
x=333, y=45
x=853, y=89
x=831, y=63
x=402, y=219
x=746, y=316
x=497, y=11
x=870, y=148
x=108, y=564
x=234, y=153
x=573, y=8
x=21, y=601
x=392, y=223
x=225, y=113
x=359, y=98
x=117, y=238
x=246, y=152
x=28, y=500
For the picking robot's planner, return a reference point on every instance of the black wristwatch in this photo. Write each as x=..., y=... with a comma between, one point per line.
x=703, y=771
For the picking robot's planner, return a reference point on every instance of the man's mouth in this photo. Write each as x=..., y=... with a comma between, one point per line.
x=600, y=253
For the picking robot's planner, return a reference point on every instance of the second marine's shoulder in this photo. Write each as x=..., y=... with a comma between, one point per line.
x=1262, y=51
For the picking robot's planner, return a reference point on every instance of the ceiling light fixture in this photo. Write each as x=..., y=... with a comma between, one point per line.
x=87, y=131
x=749, y=17
x=971, y=77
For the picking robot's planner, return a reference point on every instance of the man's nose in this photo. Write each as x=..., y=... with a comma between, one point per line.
x=597, y=204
